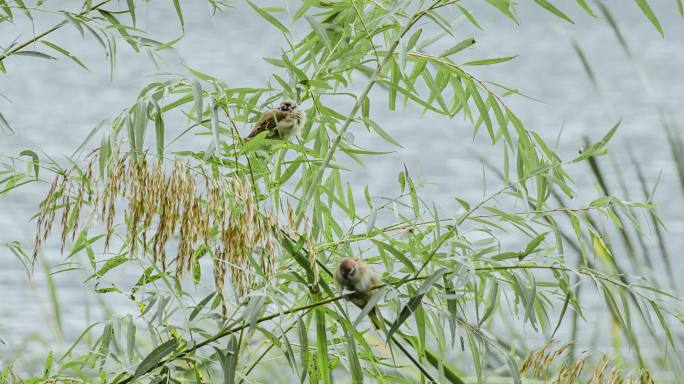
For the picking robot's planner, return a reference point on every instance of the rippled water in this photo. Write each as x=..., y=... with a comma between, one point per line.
x=55, y=104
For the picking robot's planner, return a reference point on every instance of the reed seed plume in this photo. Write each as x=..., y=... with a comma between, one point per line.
x=540, y=364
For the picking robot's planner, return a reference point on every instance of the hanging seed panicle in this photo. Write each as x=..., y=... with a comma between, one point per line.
x=569, y=375
x=137, y=175
x=155, y=185
x=168, y=212
x=268, y=258
x=114, y=188
x=44, y=223
x=84, y=195
x=174, y=192
x=191, y=222
x=215, y=200
x=242, y=231
x=645, y=377
x=89, y=190
x=51, y=207
x=233, y=234
x=599, y=370
x=313, y=262
x=66, y=210
x=214, y=207
x=600, y=374
x=538, y=362
x=202, y=230
x=291, y=222
x=221, y=260
x=221, y=214
x=616, y=378
x=71, y=199
x=162, y=232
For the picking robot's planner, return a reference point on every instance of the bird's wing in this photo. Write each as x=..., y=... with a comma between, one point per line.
x=339, y=280
x=268, y=122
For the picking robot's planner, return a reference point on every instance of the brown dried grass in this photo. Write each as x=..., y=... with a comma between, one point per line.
x=540, y=364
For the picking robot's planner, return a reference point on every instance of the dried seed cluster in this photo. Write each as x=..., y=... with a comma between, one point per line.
x=538, y=363
x=219, y=215
x=63, y=195
x=313, y=260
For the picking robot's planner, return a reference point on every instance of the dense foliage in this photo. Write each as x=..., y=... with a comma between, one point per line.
x=234, y=243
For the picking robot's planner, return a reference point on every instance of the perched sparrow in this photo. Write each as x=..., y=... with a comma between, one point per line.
x=355, y=275
x=280, y=123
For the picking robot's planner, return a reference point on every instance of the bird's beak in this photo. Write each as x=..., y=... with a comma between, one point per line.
x=350, y=272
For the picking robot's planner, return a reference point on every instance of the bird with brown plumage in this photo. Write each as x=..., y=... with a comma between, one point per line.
x=280, y=123
x=358, y=277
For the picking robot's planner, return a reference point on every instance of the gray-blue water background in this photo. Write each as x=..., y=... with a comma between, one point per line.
x=55, y=104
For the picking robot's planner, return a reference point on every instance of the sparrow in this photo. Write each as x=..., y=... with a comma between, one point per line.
x=355, y=275
x=280, y=123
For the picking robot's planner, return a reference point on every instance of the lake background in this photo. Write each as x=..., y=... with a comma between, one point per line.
x=54, y=105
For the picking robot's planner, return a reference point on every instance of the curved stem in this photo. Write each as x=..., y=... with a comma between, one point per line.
x=231, y=330
x=482, y=203
x=48, y=31
x=350, y=238
x=308, y=192
x=226, y=332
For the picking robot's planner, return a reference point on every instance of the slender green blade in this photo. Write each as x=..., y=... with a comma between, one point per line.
x=553, y=9
x=650, y=15
x=322, y=346
x=268, y=17
x=154, y=358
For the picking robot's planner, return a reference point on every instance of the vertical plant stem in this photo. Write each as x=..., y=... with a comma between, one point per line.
x=49, y=31
x=627, y=240
x=306, y=197
x=654, y=222
x=625, y=190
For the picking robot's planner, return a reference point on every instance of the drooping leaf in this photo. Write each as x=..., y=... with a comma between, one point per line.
x=504, y=7
x=594, y=148
x=650, y=15
x=154, y=358
x=40, y=55
x=34, y=160
x=199, y=97
x=458, y=47
x=304, y=347
x=322, y=346
x=546, y=4
x=179, y=13
x=415, y=300
x=495, y=60
x=268, y=17
x=585, y=6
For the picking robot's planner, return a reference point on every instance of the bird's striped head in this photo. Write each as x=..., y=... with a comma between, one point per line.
x=288, y=106
x=348, y=267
